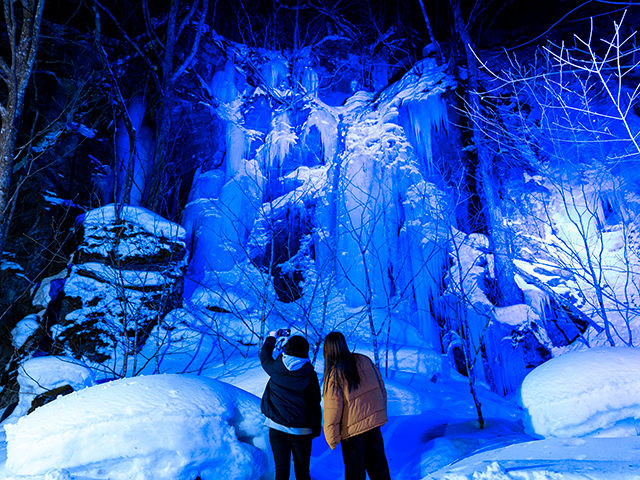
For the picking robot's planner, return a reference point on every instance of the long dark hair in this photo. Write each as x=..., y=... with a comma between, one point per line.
x=338, y=358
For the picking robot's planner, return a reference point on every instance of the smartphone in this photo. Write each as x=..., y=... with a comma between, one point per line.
x=283, y=332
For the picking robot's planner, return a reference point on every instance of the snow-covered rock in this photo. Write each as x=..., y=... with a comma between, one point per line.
x=171, y=427
x=43, y=374
x=133, y=235
x=594, y=392
x=23, y=330
x=127, y=271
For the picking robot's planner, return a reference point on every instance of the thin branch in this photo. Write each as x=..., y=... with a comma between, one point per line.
x=194, y=46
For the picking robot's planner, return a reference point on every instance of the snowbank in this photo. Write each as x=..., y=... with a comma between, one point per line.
x=591, y=392
x=172, y=427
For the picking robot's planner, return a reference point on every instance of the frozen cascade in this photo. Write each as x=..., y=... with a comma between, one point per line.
x=205, y=191
x=390, y=233
x=359, y=229
x=422, y=238
x=225, y=91
x=240, y=200
x=372, y=220
x=224, y=223
x=363, y=262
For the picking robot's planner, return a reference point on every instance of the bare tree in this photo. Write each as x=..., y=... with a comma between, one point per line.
x=178, y=33
x=469, y=309
x=568, y=118
x=23, y=34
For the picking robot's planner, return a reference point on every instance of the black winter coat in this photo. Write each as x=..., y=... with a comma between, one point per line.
x=291, y=398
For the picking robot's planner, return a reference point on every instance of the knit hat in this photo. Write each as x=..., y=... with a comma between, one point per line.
x=297, y=346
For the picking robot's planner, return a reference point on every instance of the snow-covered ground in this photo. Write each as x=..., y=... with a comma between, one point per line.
x=180, y=426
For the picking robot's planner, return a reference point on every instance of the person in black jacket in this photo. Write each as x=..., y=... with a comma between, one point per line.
x=291, y=403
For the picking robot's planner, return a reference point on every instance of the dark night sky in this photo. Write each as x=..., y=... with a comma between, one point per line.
x=271, y=22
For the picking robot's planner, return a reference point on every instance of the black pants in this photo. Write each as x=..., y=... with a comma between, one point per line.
x=282, y=445
x=365, y=452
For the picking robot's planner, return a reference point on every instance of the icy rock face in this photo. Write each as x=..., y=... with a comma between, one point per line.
x=127, y=272
x=172, y=427
x=594, y=392
x=277, y=241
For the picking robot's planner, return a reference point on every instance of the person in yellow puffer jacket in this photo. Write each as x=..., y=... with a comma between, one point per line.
x=355, y=407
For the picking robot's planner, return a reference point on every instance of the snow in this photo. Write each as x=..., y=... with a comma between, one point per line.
x=169, y=427
x=590, y=392
x=551, y=459
x=141, y=217
x=107, y=274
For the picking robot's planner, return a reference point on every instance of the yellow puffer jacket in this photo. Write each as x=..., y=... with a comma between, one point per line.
x=347, y=414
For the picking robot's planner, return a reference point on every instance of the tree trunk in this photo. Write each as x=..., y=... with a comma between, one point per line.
x=499, y=233
x=23, y=44
x=7, y=147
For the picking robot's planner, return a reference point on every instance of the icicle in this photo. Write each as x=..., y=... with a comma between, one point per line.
x=143, y=154
x=223, y=84
x=310, y=81
x=425, y=115
x=236, y=147
x=276, y=149
x=136, y=110
x=280, y=140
